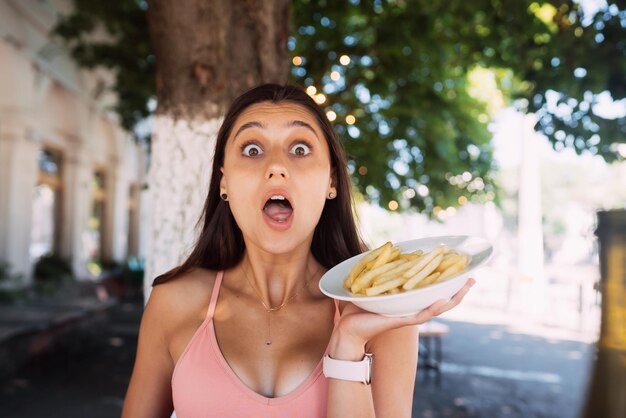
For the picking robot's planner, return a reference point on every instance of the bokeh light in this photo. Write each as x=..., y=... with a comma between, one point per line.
x=320, y=98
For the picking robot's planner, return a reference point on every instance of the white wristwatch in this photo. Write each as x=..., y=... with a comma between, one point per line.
x=356, y=371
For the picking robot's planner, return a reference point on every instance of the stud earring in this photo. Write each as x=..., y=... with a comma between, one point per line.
x=224, y=197
x=331, y=195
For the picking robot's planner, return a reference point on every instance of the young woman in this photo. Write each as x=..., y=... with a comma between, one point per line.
x=240, y=328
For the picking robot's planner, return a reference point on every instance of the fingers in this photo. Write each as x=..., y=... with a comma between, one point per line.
x=424, y=315
x=434, y=309
x=458, y=297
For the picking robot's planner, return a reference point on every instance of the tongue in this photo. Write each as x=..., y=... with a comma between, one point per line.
x=277, y=211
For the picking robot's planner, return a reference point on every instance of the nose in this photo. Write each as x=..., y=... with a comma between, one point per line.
x=276, y=169
x=281, y=174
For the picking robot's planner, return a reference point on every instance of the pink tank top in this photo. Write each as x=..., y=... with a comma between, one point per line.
x=204, y=385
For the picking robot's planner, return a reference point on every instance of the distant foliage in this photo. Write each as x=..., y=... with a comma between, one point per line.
x=114, y=35
x=51, y=274
x=407, y=82
x=11, y=290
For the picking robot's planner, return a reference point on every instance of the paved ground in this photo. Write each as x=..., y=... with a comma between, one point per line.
x=88, y=379
x=494, y=371
x=489, y=370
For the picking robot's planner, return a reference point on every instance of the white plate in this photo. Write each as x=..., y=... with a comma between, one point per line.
x=411, y=301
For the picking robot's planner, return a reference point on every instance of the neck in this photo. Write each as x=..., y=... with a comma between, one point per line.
x=277, y=279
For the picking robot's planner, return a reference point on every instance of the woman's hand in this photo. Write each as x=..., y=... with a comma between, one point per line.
x=393, y=342
x=357, y=326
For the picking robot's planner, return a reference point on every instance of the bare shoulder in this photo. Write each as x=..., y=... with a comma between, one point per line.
x=181, y=300
x=169, y=317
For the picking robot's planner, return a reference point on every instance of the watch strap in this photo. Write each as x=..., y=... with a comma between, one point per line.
x=357, y=371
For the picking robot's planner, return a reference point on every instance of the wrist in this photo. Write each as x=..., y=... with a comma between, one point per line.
x=355, y=371
x=343, y=347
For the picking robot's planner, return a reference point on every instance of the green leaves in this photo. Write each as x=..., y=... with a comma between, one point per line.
x=114, y=35
x=408, y=82
x=407, y=85
x=413, y=84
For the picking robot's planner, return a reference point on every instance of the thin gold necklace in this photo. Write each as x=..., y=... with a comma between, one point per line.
x=269, y=309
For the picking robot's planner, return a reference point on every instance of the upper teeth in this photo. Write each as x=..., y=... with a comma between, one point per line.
x=277, y=197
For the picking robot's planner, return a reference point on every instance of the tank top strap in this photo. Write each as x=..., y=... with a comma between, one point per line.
x=215, y=293
x=337, y=313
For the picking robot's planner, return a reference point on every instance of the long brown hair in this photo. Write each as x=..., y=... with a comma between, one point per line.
x=220, y=244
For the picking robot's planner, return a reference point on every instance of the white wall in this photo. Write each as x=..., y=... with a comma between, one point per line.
x=46, y=101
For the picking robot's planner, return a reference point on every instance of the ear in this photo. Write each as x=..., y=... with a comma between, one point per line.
x=222, y=182
x=332, y=182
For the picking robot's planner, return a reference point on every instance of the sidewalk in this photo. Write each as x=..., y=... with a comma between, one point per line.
x=499, y=364
x=491, y=371
x=33, y=327
x=77, y=379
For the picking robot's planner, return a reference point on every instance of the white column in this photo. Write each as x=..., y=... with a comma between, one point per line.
x=145, y=215
x=492, y=221
x=76, y=207
x=19, y=151
x=125, y=149
x=21, y=87
x=142, y=198
x=6, y=148
x=530, y=227
x=119, y=223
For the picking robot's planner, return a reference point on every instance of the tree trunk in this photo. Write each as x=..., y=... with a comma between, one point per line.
x=207, y=53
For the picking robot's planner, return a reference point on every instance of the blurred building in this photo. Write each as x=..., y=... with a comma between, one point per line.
x=71, y=178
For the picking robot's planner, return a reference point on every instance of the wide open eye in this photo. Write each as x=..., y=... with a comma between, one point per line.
x=251, y=150
x=300, y=149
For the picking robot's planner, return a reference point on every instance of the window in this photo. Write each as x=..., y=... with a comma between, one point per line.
x=46, y=214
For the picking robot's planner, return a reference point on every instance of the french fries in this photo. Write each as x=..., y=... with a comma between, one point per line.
x=385, y=270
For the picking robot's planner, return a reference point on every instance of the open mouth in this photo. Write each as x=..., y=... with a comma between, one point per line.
x=278, y=208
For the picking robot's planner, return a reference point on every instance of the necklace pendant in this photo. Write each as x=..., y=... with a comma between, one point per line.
x=268, y=342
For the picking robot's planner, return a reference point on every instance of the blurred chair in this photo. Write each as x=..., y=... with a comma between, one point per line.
x=430, y=358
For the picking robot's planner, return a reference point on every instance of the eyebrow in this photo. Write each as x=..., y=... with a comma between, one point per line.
x=291, y=124
x=303, y=124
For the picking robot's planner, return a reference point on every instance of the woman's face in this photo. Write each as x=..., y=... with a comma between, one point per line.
x=277, y=175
